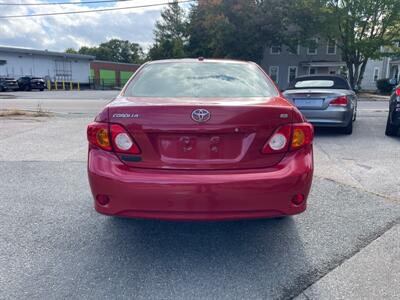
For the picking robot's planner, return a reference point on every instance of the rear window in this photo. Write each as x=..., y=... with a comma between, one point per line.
x=201, y=80
x=314, y=83
x=324, y=82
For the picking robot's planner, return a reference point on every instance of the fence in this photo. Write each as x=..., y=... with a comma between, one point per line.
x=106, y=84
x=63, y=85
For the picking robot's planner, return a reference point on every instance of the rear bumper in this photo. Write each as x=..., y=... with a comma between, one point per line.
x=394, y=112
x=331, y=117
x=201, y=195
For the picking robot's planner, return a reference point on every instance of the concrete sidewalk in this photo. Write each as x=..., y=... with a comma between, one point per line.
x=373, y=273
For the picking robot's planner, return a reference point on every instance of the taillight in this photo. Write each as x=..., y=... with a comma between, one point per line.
x=98, y=135
x=279, y=141
x=303, y=134
x=111, y=137
x=289, y=137
x=122, y=141
x=340, y=101
x=397, y=92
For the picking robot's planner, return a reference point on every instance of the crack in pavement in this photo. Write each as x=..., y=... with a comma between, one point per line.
x=387, y=197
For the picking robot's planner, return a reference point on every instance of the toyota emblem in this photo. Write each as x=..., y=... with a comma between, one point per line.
x=201, y=115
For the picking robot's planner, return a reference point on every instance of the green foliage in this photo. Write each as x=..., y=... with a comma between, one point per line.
x=71, y=51
x=170, y=34
x=364, y=29
x=114, y=50
x=235, y=28
x=384, y=86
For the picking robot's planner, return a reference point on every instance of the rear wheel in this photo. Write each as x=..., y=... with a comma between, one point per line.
x=348, y=129
x=391, y=130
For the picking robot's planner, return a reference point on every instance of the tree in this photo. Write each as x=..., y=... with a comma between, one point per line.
x=121, y=51
x=242, y=29
x=170, y=34
x=114, y=50
x=363, y=29
x=71, y=51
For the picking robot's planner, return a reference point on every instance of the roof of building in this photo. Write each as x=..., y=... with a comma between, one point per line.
x=113, y=62
x=45, y=52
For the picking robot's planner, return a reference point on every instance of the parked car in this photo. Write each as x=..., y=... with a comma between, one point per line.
x=28, y=83
x=393, y=121
x=8, y=84
x=325, y=100
x=200, y=140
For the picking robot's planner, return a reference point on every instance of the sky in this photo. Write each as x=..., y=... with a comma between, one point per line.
x=58, y=33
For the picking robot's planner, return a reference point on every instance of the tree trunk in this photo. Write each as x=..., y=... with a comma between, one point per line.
x=350, y=68
x=356, y=73
x=362, y=71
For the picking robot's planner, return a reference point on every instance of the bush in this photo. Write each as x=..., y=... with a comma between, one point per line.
x=384, y=86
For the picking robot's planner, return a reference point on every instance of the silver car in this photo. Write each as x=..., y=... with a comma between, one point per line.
x=325, y=100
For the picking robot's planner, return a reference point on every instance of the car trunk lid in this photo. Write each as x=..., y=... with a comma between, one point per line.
x=315, y=99
x=169, y=138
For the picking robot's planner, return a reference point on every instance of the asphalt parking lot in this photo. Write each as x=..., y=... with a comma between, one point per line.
x=54, y=245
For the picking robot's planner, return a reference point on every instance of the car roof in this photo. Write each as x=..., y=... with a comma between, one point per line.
x=321, y=76
x=199, y=60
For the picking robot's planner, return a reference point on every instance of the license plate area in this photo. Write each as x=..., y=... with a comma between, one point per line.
x=200, y=146
x=309, y=102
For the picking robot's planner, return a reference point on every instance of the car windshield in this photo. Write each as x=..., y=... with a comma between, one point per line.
x=324, y=82
x=201, y=80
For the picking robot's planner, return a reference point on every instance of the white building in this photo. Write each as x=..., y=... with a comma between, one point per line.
x=375, y=70
x=17, y=62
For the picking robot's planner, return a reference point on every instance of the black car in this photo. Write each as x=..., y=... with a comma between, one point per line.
x=393, y=122
x=28, y=83
x=8, y=84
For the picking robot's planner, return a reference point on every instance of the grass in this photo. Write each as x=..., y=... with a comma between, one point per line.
x=39, y=112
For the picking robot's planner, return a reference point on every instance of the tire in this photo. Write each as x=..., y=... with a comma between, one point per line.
x=41, y=90
x=348, y=129
x=391, y=130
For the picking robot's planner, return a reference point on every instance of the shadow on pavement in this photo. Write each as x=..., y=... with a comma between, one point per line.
x=209, y=259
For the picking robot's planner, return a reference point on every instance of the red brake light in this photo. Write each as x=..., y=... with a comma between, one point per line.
x=122, y=141
x=109, y=137
x=398, y=92
x=340, y=101
x=98, y=135
x=289, y=137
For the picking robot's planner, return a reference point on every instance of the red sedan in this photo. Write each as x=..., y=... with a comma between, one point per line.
x=198, y=139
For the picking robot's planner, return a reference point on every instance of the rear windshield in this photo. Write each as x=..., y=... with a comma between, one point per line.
x=201, y=80
x=325, y=82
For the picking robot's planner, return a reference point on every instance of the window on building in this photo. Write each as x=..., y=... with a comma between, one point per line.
x=376, y=74
x=312, y=48
x=292, y=73
x=295, y=51
x=274, y=73
x=331, y=47
x=312, y=71
x=276, y=49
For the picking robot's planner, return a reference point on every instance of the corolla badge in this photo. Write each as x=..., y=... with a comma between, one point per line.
x=124, y=115
x=201, y=115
